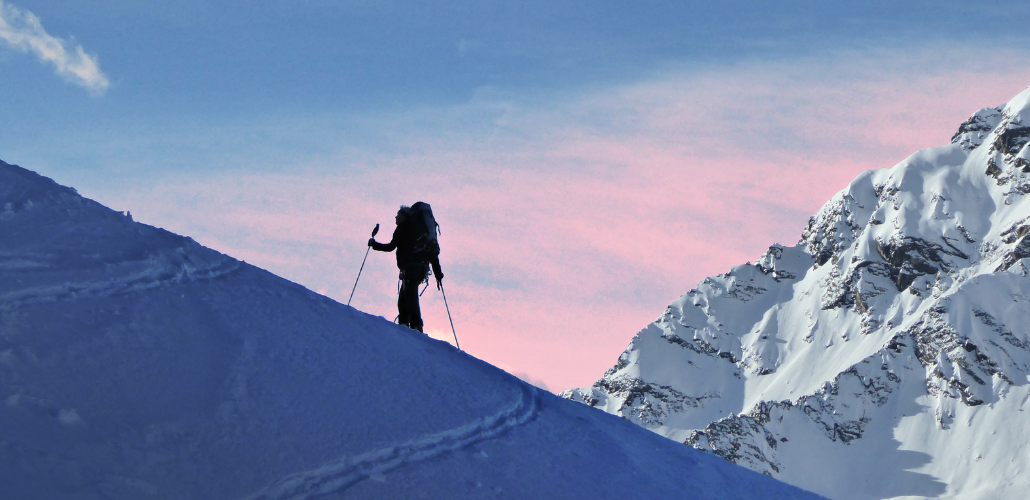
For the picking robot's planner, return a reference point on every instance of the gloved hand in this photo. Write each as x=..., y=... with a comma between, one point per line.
x=439, y=281
x=371, y=241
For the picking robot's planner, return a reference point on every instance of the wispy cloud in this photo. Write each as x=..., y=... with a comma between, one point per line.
x=23, y=31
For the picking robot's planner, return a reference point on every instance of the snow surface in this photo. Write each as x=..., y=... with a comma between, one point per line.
x=887, y=354
x=138, y=364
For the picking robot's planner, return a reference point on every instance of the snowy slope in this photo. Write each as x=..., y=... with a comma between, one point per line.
x=137, y=364
x=886, y=354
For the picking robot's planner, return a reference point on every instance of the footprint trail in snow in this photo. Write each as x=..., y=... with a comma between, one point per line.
x=338, y=475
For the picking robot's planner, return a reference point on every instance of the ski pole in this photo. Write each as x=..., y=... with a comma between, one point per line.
x=374, y=231
x=449, y=316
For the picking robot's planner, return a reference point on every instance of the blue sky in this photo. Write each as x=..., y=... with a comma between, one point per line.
x=204, y=60
x=590, y=160
x=177, y=65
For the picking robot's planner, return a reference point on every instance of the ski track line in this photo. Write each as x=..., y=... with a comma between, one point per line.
x=143, y=280
x=338, y=475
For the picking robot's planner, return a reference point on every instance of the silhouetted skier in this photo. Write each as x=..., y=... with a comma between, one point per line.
x=416, y=251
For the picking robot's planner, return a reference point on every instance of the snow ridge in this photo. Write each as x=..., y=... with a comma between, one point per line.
x=126, y=256
x=338, y=475
x=135, y=363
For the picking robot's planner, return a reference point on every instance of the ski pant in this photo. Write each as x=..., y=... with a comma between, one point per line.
x=409, y=312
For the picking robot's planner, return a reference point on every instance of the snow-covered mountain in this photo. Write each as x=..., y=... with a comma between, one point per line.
x=137, y=364
x=886, y=354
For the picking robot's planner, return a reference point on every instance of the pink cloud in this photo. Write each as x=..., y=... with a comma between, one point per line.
x=569, y=225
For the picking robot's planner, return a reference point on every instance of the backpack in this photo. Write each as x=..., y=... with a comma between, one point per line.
x=421, y=216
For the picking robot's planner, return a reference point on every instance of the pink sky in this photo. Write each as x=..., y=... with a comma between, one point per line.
x=571, y=221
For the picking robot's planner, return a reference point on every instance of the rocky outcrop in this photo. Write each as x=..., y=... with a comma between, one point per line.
x=971, y=133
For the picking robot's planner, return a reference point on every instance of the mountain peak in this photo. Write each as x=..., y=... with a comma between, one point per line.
x=869, y=358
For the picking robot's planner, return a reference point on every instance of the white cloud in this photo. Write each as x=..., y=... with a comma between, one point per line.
x=23, y=31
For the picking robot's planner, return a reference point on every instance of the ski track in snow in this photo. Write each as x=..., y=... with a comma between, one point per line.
x=149, y=278
x=340, y=474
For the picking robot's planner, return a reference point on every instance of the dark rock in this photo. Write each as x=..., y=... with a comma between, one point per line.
x=970, y=134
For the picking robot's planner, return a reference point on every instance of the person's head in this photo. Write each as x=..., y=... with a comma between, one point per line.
x=402, y=215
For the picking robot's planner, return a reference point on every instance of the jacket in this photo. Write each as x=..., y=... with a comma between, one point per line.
x=404, y=241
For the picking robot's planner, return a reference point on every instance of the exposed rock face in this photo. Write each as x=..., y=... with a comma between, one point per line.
x=886, y=354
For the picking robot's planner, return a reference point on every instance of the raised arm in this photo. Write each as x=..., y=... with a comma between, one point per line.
x=384, y=247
